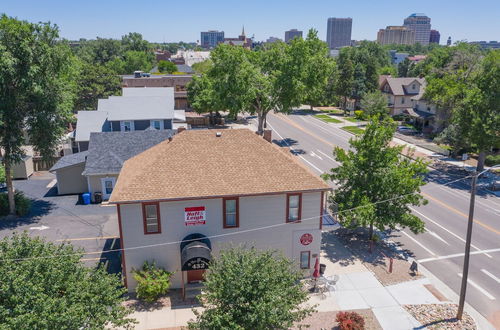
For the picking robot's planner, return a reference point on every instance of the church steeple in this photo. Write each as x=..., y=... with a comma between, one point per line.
x=243, y=31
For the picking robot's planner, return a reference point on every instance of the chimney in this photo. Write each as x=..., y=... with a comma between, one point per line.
x=181, y=129
x=268, y=135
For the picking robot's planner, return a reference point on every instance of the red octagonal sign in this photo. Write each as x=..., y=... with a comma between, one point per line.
x=306, y=239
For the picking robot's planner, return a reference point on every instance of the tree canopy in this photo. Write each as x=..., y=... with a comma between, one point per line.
x=166, y=67
x=53, y=289
x=250, y=289
x=375, y=104
x=376, y=183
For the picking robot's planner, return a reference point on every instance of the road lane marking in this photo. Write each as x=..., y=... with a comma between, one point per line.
x=333, y=160
x=448, y=231
x=282, y=117
x=346, y=138
x=291, y=148
x=462, y=214
x=87, y=238
x=480, y=289
x=456, y=255
x=491, y=275
x=314, y=155
x=436, y=236
x=417, y=242
x=40, y=228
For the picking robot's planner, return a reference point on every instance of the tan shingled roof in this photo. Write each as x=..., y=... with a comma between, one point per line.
x=196, y=163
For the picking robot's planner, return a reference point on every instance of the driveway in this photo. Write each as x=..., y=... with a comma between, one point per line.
x=93, y=228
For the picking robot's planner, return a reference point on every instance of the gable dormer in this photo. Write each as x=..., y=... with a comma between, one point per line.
x=412, y=88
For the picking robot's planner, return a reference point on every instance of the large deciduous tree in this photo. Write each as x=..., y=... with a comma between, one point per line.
x=345, y=77
x=46, y=286
x=95, y=82
x=375, y=104
x=376, y=184
x=36, y=90
x=251, y=289
x=133, y=41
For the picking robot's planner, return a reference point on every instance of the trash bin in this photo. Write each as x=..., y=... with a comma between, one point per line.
x=322, y=268
x=86, y=198
x=98, y=197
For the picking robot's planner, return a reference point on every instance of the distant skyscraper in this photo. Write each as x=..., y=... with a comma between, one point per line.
x=338, y=33
x=448, y=42
x=434, y=37
x=397, y=35
x=211, y=39
x=293, y=33
x=273, y=39
x=421, y=24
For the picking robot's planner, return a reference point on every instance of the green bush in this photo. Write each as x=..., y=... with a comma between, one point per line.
x=492, y=160
x=359, y=114
x=152, y=281
x=23, y=204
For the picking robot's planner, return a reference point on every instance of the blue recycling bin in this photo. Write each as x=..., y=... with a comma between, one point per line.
x=86, y=198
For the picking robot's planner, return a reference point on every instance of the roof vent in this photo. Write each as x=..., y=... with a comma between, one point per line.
x=218, y=134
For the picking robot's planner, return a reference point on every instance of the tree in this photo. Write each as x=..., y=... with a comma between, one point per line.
x=359, y=87
x=95, y=82
x=345, y=76
x=200, y=94
x=375, y=104
x=251, y=289
x=376, y=183
x=166, y=67
x=36, y=90
x=133, y=41
x=101, y=50
x=404, y=67
x=46, y=286
x=202, y=67
x=132, y=61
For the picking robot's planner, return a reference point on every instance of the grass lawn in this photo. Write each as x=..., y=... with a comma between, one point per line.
x=352, y=119
x=336, y=112
x=328, y=119
x=353, y=129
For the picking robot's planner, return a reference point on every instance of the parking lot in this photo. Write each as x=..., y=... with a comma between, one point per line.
x=93, y=228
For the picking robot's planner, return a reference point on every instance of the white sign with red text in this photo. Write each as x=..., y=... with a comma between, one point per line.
x=194, y=216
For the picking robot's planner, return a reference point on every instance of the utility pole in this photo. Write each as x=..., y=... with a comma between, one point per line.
x=465, y=271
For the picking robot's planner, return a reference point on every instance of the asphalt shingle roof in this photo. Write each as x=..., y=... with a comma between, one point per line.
x=70, y=160
x=109, y=150
x=397, y=85
x=87, y=122
x=198, y=164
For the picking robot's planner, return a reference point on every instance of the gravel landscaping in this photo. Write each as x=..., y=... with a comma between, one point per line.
x=172, y=299
x=326, y=320
x=440, y=316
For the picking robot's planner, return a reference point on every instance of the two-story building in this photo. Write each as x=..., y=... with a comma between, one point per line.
x=182, y=201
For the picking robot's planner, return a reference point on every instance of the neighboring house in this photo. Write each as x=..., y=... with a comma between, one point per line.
x=405, y=96
x=136, y=110
x=205, y=189
x=97, y=169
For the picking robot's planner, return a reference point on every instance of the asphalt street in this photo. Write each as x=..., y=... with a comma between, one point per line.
x=441, y=248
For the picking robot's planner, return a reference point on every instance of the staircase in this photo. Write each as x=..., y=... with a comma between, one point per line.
x=191, y=290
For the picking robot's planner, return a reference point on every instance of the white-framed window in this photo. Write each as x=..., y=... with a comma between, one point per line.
x=107, y=185
x=126, y=125
x=305, y=259
x=402, y=100
x=413, y=86
x=157, y=124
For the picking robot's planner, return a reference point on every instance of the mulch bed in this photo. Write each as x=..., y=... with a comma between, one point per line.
x=172, y=299
x=377, y=261
x=440, y=316
x=326, y=320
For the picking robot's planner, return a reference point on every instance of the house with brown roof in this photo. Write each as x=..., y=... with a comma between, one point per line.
x=182, y=201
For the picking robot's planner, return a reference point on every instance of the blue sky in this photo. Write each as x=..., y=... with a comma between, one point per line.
x=175, y=20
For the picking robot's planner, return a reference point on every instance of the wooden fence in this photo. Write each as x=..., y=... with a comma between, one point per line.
x=40, y=164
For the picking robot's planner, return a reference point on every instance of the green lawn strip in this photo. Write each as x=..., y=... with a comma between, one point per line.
x=327, y=119
x=351, y=119
x=353, y=129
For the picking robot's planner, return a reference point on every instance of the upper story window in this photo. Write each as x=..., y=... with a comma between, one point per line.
x=386, y=88
x=180, y=88
x=151, y=218
x=413, y=86
x=231, y=212
x=402, y=100
x=127, y=126
x=157, y=124
x=293, y=207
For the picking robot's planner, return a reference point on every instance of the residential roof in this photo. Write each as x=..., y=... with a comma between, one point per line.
x=417, y=113
x=70, y=160
x=89, y=121
x=109, y=150
x=184, y=68
x=198, y=164
x=137, y=107
x=397, y=85
x=148, y=91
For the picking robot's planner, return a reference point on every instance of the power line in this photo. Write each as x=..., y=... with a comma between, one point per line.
x=221, y=235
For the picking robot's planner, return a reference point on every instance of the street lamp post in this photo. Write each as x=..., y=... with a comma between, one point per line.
x=465, y=272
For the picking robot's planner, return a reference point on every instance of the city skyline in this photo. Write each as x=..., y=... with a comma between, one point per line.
x=112, y=19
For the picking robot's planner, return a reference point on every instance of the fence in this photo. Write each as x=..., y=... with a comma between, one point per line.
x=41, y=164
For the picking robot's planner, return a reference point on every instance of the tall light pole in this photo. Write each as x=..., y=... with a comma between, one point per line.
x=465, y=272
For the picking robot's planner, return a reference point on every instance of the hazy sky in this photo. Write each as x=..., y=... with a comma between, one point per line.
x=175, y=20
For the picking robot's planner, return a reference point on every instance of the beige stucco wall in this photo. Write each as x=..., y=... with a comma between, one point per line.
x=23, y=169
x=94, y=183
x=255, y=212
x=70, y=180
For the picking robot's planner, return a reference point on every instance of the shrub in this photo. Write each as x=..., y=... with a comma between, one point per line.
x=492, y=160
x=23, y=204
x=350, y=321
x=152, y=281
x=359, y=114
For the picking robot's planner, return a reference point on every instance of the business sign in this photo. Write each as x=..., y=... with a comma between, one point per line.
x=194, y=216
x=306, y=239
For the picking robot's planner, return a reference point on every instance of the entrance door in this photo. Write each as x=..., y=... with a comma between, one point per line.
x=107, y=187
x=195, y=276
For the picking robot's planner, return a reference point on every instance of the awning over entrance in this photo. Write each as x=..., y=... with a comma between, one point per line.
x=195, y=255
x=417, y=113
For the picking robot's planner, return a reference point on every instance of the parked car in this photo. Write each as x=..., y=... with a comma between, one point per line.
x=406, y=130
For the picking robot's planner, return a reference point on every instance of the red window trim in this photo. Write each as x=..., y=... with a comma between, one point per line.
x=308, y=260
x=288, y=207
x=157, y=215
x=224, y=212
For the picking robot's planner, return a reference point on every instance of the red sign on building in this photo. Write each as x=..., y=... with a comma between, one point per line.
x=194, y=216
x=306, y=239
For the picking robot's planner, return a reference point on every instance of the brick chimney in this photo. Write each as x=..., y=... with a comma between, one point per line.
x=268, y=135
